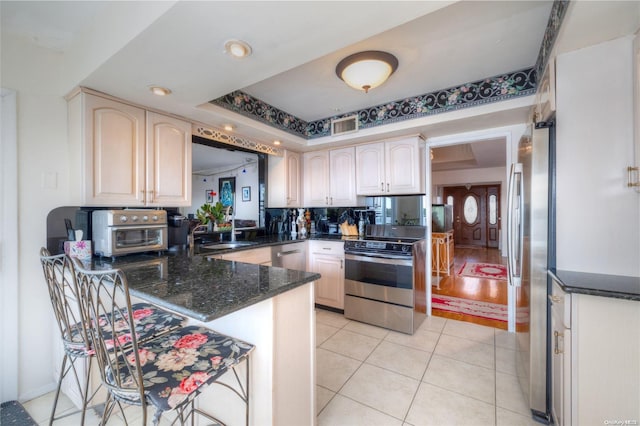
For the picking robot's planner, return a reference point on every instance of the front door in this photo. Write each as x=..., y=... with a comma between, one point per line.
x=475, y=214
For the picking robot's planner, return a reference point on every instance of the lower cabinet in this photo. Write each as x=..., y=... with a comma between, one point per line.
x=595, y=359
x=327, y=259
x=258, y=256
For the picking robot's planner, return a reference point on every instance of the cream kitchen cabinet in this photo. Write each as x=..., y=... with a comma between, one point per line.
x=283, y=177
x=130, y=157
x=389, y=168
x=595, y=350
x=327, y=259
x=330, y=178
x=634, y=169
x=257, y=256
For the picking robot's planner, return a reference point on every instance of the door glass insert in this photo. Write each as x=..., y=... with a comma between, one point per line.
x=493, y=210
x=470, y=209
x=450, y=200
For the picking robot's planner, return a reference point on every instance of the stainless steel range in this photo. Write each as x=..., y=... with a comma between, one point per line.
x=385, y=277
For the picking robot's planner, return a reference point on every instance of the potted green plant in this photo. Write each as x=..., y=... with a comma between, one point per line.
x=211, y=214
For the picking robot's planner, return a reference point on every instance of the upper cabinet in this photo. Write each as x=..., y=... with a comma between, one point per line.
x=389, y=168
x=130, y=157
x=284, y=180
x=168, y=161
x=330, y=178
x=634, y=169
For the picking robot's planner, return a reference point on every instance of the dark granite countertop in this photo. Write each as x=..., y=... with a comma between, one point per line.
x=617, y=286
x=202, y=288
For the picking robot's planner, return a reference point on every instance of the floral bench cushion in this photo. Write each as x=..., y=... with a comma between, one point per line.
x=150, y=322
x=179, y=363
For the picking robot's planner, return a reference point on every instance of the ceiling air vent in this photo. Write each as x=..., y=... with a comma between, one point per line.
x=340, y=126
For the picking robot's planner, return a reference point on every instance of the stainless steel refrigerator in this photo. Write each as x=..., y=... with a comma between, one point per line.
x=530, y=251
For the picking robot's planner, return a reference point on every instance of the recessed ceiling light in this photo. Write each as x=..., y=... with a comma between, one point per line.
x=160, y=91
x=276, y=142
x=228, y=127
x=237, y=48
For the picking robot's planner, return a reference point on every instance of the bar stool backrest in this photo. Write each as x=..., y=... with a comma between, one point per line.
x=110, y=319
x=65, y=297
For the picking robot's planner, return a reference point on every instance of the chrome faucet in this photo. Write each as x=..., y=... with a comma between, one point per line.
x=192, y=239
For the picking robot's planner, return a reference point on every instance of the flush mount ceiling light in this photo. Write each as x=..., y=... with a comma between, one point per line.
x=160, y=91
x=229, y=127
x=366, y=70
x=237, y=48
x=276, y=142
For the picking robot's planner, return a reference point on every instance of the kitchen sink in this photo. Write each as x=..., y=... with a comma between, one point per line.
x=227, y=246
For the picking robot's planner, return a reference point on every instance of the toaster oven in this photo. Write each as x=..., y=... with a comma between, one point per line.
x=120, y=232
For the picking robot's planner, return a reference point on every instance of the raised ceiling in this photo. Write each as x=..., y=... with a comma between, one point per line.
x=121, y=48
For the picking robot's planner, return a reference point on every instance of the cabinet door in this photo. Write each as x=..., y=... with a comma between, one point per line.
x=316, y=179
x=370, y=169
x=294, y=196
x=402, y=166
x=329, y=289
x=114, y=143
x=168, y=161
x=284, y=180
x=259, y=256
x=342, y=178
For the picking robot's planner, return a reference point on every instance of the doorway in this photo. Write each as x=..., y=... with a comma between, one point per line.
x=472, y=169
x=476, y=215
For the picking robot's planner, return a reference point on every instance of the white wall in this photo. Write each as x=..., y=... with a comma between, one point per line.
x=598, y=217
x=42, y=147
x=247, y=210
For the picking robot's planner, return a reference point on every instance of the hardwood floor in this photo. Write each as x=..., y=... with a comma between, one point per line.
x=480, y=289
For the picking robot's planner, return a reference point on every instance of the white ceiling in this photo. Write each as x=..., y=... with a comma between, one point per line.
x=121, y=48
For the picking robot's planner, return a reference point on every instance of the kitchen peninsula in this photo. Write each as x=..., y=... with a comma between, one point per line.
x=269, y=307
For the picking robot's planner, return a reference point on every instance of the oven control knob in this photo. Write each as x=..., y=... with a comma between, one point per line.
x=154, y=218
x=145, y=218
x=405, y=249
x=123, y=218
x=134, y=218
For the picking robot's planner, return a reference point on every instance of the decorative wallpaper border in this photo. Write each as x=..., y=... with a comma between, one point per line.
x=558, y=10
x=492, y=89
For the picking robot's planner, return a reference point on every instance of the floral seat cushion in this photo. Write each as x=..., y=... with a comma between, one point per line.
x=176, y=365
x=150, y=322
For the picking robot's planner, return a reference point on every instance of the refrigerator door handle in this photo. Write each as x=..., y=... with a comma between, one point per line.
x=515, y=212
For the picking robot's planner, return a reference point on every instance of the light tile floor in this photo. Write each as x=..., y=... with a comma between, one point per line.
x=447, y=373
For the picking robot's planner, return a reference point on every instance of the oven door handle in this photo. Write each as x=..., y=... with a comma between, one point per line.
x=132, y=227
x=376, y=258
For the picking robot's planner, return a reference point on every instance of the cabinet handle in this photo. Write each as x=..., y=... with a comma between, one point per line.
x=382, y=186
x=331, y=199
x=341, y=264
x=556, y=335
x=630, y=173
x=326, y=248
x=326, y=200
x=555, y=299
x=387, y=186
